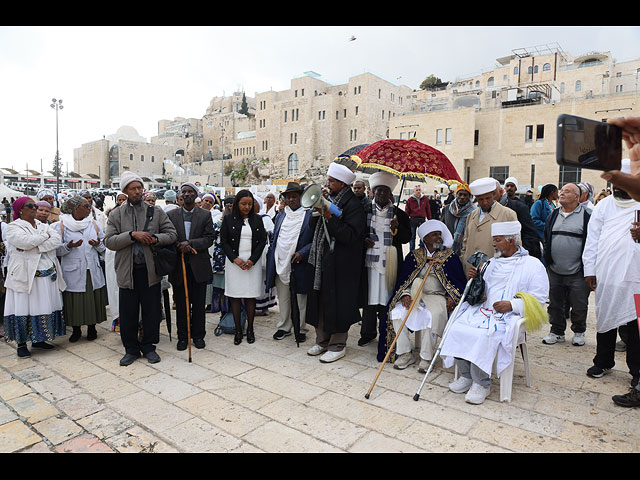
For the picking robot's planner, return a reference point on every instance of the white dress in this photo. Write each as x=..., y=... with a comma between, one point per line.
x=240, y=283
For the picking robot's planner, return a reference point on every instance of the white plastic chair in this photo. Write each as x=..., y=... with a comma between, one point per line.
x=506, y=377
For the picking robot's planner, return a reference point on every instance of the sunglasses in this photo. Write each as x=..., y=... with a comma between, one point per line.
x=30, y=205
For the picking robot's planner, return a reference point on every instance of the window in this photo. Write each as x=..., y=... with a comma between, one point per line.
x=153, y=158
x=539, y=133
x=499, y=173
x=292, y=164
x=142, y=158
x=515, y=70
x=447, y=136
x=476, y=136
x=285, y=116
x=533, y=175
x=569, y=175
x=528, y=133
x=439, y=136
x=578, y=85
x=357, y=110
x=490, y=82
x=546, y=67
x=131, y=157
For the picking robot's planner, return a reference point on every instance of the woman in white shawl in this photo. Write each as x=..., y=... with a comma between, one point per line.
x=33, y=303
x=267, y=300
x=110, y=274
x=82, y=243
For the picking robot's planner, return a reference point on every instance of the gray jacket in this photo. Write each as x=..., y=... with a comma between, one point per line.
x=120, y=224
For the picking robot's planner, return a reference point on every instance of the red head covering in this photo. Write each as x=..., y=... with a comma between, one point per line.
x=17, y=206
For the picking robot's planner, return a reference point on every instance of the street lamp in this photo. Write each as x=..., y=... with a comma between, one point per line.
x=57, y=105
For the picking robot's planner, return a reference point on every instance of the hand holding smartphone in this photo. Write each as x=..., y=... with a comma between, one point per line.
x=585, y=143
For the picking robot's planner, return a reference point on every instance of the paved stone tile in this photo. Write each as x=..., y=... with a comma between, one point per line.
x=13, y=389
x=107, y=386
x=238, y=391
x=275, y=437
x=435, y=439
x=280, y=384
x=84, y=444
x=58, y=430
x=105, y=423
x=6, y=414
x=139, y=440
x=33, y=407
x=79, y=406
x=167, y=387
x=197, y=436
x=150, y=412
x=15, y=436
x=55, y=388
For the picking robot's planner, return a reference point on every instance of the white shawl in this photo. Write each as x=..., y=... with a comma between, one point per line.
x=287, y=242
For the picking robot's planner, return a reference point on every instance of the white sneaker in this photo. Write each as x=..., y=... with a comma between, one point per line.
x=316, y=350
x=578, y=339
x=461, y=385
x=404, y=360
x=477, y=393
x=424, y=365
x=553, y=338
x=332, y=356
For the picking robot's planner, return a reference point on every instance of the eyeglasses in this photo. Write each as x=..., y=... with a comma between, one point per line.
x=30, y=205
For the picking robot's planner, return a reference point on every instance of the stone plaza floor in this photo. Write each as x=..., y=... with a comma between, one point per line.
x=272, y=397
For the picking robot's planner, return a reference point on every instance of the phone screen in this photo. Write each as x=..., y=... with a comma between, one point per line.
x=586, y=143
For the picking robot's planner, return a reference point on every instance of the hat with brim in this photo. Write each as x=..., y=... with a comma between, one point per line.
x=293, y=187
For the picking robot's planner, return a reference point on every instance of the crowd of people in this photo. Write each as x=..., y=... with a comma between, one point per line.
x=333, y=266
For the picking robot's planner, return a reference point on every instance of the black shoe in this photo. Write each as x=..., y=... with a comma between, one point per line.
x=182, y=345
x=251, y=337
x=92, y=334
x=199, y=343
x=634, y=382
x=42, y=345
x=23, y=351
x=364, y=340
x=128, y=359
x=280, y=334
x=630, y=399
x=597, y=372
x=237, y=338
x=152, y=357
x=75, y=336
x=301, y=338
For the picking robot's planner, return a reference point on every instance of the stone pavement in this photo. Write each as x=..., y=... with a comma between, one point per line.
x=272, y=397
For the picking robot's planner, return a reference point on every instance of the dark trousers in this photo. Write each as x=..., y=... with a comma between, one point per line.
x=131, y=301
x=415, y=222
x=197, y=295
x=571, y=289
x=371, y=314
x=606, y=348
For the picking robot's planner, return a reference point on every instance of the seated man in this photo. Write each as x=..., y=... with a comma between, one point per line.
x=484, y=332
x=440, y=293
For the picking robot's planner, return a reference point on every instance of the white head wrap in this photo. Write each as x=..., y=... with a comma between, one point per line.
x=482, y=186
x=45, y=192
x=513, y=180
x=342, y=173
x=436, y=225
x=127, y=177
x=505, y=228
x=383, y=178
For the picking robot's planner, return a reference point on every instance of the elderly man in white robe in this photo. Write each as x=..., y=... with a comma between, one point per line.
x=611, y=259
x=483, y=333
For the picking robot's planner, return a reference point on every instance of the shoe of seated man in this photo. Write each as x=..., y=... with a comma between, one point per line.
x=578, y=339
x=404, y=360
x=316, y=350
x=330, y=356
x=461, y=385
x=477, y=394
x=424, y=365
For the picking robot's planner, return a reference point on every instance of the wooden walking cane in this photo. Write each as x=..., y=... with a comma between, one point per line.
x=413, y=302
x=186, y=296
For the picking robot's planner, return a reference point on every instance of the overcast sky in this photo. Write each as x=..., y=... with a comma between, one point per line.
x=108, y=77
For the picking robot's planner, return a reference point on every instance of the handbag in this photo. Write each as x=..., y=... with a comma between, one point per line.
x=476, y=291
x=165, y=258
x=228, y=325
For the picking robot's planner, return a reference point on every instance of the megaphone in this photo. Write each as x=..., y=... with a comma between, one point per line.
x=313, y=198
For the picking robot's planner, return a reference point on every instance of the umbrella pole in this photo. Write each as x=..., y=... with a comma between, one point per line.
x=401, y=189
x=390, y=349
x=186, y=296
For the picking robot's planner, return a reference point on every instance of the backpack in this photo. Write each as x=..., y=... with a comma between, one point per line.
x=227, y=324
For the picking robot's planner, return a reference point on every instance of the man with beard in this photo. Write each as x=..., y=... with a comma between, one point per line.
x=440, y=293
x=132, y=238
x=332, y=305
x=611, y=260
x=388, y=230
x=483, y=333
x=454, y=216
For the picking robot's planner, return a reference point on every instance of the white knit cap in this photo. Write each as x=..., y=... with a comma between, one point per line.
x=436, y=225
x=383, y=178
x=513, y=180
x=341, y=172
x=505, y=228
x=482, y=186
x=127, y=177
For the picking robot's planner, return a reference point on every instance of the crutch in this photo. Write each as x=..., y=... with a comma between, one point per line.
x=452, y=319
x=413, y=302
x=186, y=296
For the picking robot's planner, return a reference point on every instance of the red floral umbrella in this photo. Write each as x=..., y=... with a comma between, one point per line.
x=408, y=159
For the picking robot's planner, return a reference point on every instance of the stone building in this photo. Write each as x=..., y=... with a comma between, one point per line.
x=502, y=122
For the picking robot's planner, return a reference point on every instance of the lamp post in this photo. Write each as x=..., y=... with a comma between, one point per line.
x=57, y=105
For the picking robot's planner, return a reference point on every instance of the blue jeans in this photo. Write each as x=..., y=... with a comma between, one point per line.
x=415, y=223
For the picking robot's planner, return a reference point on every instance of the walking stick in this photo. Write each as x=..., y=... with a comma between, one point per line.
x=413, y=302
x=186, y=296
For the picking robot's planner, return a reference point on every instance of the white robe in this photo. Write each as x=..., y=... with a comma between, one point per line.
x=480, y=335
x=614, y=259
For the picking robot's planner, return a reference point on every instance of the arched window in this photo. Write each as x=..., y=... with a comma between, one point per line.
x=546, y=67
x=515, y=70
x=292, y=164
x=490, y=82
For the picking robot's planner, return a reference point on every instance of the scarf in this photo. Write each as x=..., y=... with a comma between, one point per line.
x=461, y=214
x=375, y=256
x=318, y=246
x=287, y=241
x=74, y=225
x=624, y=202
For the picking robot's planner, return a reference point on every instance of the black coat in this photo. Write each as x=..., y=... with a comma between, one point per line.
x=201, y=236
x=230, y=236
x=528, y=233
x=341, y=269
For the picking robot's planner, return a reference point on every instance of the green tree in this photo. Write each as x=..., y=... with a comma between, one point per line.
x=244, y=108
x=430, y=82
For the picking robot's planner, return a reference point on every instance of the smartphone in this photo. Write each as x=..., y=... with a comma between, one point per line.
x=585, y=143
